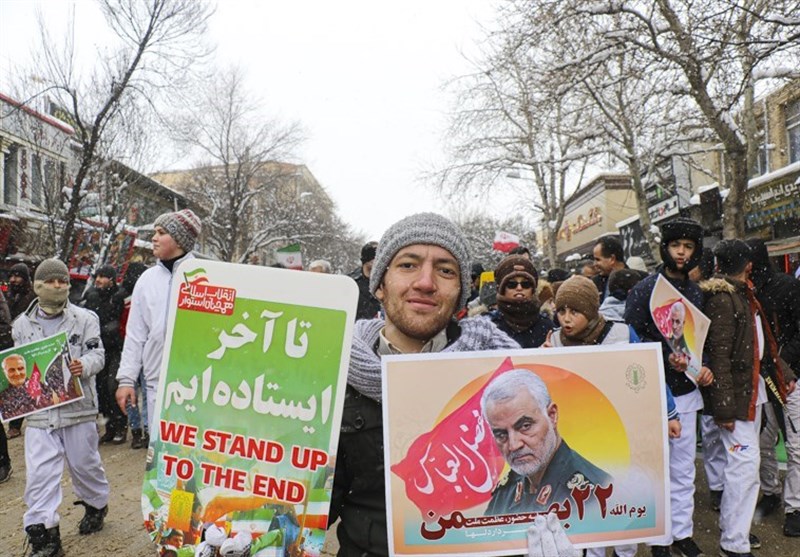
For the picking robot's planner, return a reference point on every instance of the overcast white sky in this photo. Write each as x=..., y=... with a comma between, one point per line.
x=364, y=77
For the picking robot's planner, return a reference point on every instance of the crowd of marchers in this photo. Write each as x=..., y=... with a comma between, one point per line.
x=420, y=292
x=753, y=340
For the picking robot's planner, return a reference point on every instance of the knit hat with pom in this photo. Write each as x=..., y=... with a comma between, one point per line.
x=183, y=226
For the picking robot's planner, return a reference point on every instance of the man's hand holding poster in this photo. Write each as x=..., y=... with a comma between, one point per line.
x=479, y=444
x=683, y=325
x=249, y=405
x=36, y=377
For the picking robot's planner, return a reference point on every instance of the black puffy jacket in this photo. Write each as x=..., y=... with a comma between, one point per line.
x=779, y=295
x=108, y=304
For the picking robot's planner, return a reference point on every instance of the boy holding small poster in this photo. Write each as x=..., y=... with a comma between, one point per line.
x=578, y=306
x=681, y=250
x=65, y=432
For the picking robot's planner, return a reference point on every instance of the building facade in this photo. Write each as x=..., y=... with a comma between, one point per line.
x=672, y=189
x=283, y=203
x=40, y=156
x=592, y=212
x=773, y=195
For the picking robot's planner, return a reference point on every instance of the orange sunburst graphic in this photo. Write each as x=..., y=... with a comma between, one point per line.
x=587, y=420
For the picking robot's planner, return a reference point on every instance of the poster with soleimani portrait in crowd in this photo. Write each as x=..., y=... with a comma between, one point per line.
x=478, y=444
x=682, y=324
x=249, y=404
x=36, y=377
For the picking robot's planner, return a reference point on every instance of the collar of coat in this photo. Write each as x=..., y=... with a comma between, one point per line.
x=721, y=284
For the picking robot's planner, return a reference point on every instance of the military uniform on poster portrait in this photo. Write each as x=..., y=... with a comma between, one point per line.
x=515, y=493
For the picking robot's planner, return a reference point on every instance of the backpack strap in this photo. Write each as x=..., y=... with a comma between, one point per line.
x=604, y=333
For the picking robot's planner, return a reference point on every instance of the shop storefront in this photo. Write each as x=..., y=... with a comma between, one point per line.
x=592, y=212
x=773, y=214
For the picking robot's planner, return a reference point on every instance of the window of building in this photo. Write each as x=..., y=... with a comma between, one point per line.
x=793, y=130
x=762, y=160
x=10, y=174
x=37, y=179
x=51, y=179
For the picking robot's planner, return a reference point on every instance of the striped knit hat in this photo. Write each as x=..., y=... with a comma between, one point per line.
x=183, y=226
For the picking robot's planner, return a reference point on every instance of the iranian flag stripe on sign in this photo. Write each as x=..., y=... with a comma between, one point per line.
x=505, y=241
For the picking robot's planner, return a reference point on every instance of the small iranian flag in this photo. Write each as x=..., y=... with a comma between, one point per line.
x=196, y=276
x=505, y=241
x=290, y=256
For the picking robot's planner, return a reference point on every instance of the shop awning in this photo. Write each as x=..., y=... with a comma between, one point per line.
x=783, y=246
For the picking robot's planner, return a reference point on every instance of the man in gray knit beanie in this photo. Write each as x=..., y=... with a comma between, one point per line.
x=429, y=229
x=51, y=285
x=421, y=275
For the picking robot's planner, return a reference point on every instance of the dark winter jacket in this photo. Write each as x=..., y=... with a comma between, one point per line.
x=779, y=295
x=532, y=337
x=19, y=298
x=601, y=281
x=637, y=314
x=5, y=325
x=368, y=305
x=729, y=349
x=108, y=304
x=359, y=495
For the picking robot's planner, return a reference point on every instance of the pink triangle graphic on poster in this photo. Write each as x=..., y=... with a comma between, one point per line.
x=505, y=241
x=290, y=256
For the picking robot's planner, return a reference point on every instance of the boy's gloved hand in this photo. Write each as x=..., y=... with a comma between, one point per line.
x=547, y=538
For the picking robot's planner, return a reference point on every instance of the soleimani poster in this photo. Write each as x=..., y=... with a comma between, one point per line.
x=36, y=377
x=496, y=438
x=248, y=409
x=683, y=325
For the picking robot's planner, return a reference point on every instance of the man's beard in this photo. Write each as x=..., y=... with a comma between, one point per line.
x=419, y=327
x=541, y=458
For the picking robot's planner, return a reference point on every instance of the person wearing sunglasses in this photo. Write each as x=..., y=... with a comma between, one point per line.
x=518, y=312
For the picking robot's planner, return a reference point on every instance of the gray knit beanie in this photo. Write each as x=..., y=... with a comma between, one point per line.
x=183, y=226
x=50, y=269
x=422, y=228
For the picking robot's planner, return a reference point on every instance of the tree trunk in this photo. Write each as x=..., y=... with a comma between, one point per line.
x=733, y=223
x=73, y=211
x=552, y=249
x=642, y=206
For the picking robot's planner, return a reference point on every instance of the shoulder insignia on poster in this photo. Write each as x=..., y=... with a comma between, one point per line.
x=519, y=490
x=502, y=481
x=577, y=480
x=544, y=494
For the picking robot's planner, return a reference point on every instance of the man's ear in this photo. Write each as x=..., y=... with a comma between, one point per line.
x=379, y=292
x=552, y=413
